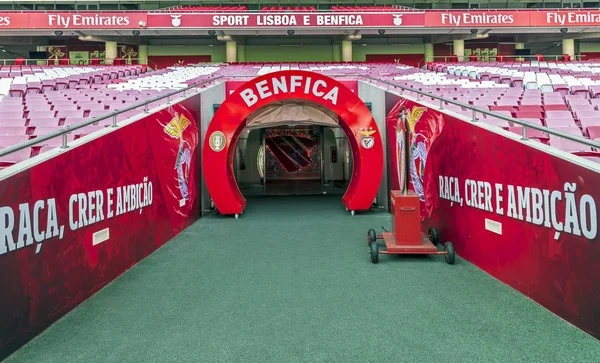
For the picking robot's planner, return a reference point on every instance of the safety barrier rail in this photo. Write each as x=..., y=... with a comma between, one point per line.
x=525, y=124
x=86, y=62
x=519, y=58
x=68, y=129
x=495, y=58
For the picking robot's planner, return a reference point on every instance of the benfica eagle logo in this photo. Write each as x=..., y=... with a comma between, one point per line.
x=406, y=144
x=175, y=129
x=367, y=141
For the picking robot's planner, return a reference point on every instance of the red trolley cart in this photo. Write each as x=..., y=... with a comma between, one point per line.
x=406, y=236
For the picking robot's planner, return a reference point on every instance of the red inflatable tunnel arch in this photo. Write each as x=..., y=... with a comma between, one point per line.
x=230, y=119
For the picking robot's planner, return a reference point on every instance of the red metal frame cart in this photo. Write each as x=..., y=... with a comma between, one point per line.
x=406, y=236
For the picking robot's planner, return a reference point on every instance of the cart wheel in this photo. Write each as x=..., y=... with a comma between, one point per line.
x=450, y=254
x=237, y=216
x=434, y=236
x=351, y=212
x=374, y=252
x=371, y=236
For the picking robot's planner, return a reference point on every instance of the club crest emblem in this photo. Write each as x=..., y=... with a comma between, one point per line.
x=367, y=141
x=217, y=141
x=175, y=129
x=176, y=20
x=397, y=19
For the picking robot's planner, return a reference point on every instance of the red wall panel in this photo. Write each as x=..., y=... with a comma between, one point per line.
x=140, y=182
x=590, y=55
x=548, y=247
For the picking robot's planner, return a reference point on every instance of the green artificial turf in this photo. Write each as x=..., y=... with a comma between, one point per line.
x=291, y=281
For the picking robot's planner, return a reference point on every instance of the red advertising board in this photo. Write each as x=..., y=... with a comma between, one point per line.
x=261, y=20
x=72, y=224
x=82, y=20
x=278, y=20
x=526, y=217
x=512, y=18
x=457, y=19
x=564, y=18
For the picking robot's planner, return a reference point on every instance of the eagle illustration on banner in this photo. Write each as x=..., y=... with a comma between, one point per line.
x=423, y=126
x=175, y=129
x=173, y=134
x=410, y=118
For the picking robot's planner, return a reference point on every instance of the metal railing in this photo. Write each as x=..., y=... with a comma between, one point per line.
x=525, y=124
x=68, y=129
x=75, y=62
x=475, y=110
x=494, y=58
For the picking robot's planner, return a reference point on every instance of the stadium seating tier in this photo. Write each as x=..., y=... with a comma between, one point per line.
x=38, y=100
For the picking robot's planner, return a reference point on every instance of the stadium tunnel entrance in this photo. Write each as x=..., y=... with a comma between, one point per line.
x=291, y=114
x=293, y=147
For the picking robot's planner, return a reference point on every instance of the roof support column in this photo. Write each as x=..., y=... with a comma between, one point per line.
x=347, y=47
x=346, y=51
x=230, y=48
x=231, y=51
x=429, y=52
x=111, y=52
x=568, y=47
x=458, y=49
x=143, y=54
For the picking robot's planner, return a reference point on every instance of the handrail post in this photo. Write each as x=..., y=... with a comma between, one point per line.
x=441, y=104
x=524, y=131
x=146, y=107
x=114, y=121
x=474, y=116
x=64, y=144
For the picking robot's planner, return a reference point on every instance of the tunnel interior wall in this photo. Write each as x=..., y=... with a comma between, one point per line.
x=523, y=212
x=75, y=222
